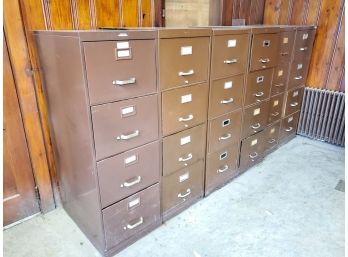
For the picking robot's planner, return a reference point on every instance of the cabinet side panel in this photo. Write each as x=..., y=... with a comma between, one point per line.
x=70, y=122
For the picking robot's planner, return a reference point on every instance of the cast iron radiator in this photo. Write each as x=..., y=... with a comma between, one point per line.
x=322, y=116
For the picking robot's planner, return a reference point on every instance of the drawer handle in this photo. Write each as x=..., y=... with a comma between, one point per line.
x=129, y=136
x=298, y=77
x=289, y=129
x=271, y=141
x=230, y=61
x=256, y=126
x=223, y=169
x=284, y=53
x=258, y=94
x=137, y=180
x=187, y=118
x=266, y=60
x=189, y=157
x=225, y=137
x=138, y=223
x=188, y=192
x=294, y=104
x=188, y=73
x=253, y=155
x=303, y=48
x=279, y=85
x=227, y=101
x=124, y=82
x=275, y=114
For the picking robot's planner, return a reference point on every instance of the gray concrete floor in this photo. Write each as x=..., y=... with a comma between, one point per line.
x=286, y=206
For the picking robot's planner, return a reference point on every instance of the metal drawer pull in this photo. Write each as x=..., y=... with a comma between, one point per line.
x=294, y=104
x=303, y=48
x=298, y=78
x=223, y=169
x=188, y=191
x=279, y=85
x=275, y=114
x=256, y=126
x=225, y=136
x=271, y=141
x=129, y=136
x=259, y=94
x=124, y=82
x=189, y=157
x=131, y=226
x=227, y=101
x=187, y=118
x=284, y=53
x=266, y=60
x=230, y=61
x=137, y=180
x=289, y=129
x=253, y=155
x=188, y=73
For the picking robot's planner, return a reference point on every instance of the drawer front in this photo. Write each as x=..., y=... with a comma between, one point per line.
x=224, y=130
x=293, y=101
x=229, y=55
x=271, y=136
x=255, y=118
x=286, y=44
x=258, y=86
x=225, y=95
x=303, y=44
x=124, y=125
x=264, y=51
x=252, y=149
x=128, y=172
x=298, y=73
x=120, y=69
x=182, y=185
x=280, y=78
x=183, y=149
x=221, y=166
x=183, y=61
x=183, y=108
x=289, y=125
x=132, y=215
x=275, y=108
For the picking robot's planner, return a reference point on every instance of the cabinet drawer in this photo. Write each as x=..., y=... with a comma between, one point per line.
x=221, y=166
x=120, y=69
x=275, y=108
x=183, y=61
x=229, y=55
x=255, y=118
x=286, y=44
x=184, y=107
x=264, y=51
x=132, y=215
x=258, y=86
x=183, y=149
x=224, y=130
x=289, y=125
x=298, y=73
x=127, y=173
x=182, y=185
x=271, y=135
x=303, y=44
x=252, y=149
x=225, y=95
x=293, y=101
x=123, y=125
x=280, y=78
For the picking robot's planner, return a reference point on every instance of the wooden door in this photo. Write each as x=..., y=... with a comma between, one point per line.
x=19, y=187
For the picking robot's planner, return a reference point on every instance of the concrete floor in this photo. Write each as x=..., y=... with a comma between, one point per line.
x=287, y=206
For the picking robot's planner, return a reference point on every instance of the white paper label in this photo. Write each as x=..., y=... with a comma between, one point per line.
x=122, y=45
x=123, y=53
x=295, y=94
x=186, y=98
x=280, y=73
x=134, y=202
x=228, y=84
x=130, y=159
x=299, y=66
x=285, y=40
x=186, y=50
x=254, y=142
x=184, y=177
x=257, y=111
x=275, y=103
x=185, y=140
x=127, y=110
x=272, y=130
x=290, y=119
x=231, y=43
x=305, y=36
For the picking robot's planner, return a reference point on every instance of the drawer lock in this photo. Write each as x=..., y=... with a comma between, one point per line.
x=187, y=73
x=134, y=225
x=227, y=101
x=232, y=61
x=188, y=192
x=124, y=82
x=128, y=136
x=185, y=159
x=266, y=43
x=137, y=180
x=223, y=169
x=225, y=136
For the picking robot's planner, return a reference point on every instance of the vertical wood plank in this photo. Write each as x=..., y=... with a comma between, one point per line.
x=299, y=11
x=285, y=12
x=329, y=19
x=61, y=14
x=107, y=13
x=256, y=11
x=83, y=10
x=227, y=12
x=272, y=11
x=129, y=13
x=244, y=10
x=312, y=17
x=159, y=5
x=146, y=13
x=236, y=8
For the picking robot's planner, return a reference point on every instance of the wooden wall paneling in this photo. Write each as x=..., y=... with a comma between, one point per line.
x=299, y=12
x=61, y=14
x=159, y=6
x=244, y=10
x=272, y=11
x=215, y=12
x=329, y=20
x=256, y=12
x=85, y=19
x=312, y=17
x=146, y=13
x=130, y=15
x=236, y=7
x=285, y=11
x=19, y=56
x=227, y=15
x=107, y=13
x=342, y=82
